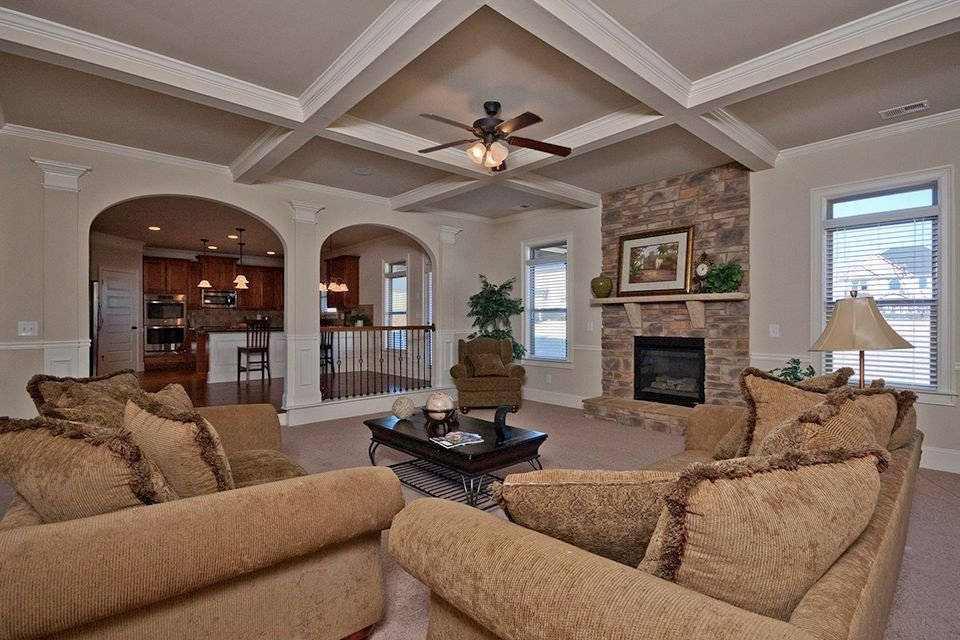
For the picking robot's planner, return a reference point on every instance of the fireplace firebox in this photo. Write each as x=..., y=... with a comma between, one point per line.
x=669, y=370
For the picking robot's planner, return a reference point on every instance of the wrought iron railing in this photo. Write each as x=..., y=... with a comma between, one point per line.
x=364, y=361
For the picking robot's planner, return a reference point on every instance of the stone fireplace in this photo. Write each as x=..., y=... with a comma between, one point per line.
x=716, y=202
x=668, y=370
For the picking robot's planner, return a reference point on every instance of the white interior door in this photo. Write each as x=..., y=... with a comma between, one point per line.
x=118, y=343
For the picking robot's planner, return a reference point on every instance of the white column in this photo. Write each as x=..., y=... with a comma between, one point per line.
x=64, y=328
x=302, y=313
x=445, y=347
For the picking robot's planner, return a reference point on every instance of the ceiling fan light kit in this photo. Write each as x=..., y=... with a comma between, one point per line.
x=489, y=151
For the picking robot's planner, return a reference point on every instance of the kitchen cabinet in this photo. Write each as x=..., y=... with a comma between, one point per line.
x=166, y=275
x=273, y=288
x=195, y=293
x=220, y=271
x=265, y=289
x=252, y=296
x=346, y=269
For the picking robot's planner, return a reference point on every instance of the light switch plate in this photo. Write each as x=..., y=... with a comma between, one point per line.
x=28, y=328
x=774, y=331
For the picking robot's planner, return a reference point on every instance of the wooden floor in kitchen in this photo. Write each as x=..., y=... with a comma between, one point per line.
x=205, y=394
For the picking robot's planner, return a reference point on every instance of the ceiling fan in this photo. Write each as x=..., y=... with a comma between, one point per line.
x=487, y=148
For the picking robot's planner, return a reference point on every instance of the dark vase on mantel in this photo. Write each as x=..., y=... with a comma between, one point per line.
x=601, y=286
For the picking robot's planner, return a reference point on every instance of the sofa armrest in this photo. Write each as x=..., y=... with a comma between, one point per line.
x=515, y=370
x=708, y=423
x=522, y=585
x=459, y=371
x=111, y=563
x=245, y=426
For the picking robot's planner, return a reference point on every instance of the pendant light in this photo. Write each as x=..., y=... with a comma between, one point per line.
x=333, y=286
x=204, y=283
x=241, y=280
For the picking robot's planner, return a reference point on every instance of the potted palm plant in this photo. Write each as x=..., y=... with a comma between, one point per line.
x=491, y=309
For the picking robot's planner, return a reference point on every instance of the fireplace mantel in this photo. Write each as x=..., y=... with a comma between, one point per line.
x=694, y=301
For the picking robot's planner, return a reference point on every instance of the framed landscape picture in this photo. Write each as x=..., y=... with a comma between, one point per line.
x=655, y=262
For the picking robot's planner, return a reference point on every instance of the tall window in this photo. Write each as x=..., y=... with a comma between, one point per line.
x=546, y=301
x=395, y=302
x=885, y=243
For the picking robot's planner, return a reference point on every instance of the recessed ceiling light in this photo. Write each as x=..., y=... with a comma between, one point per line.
x=233, y=236
x=212, y=247
x=152, y=228
x=521, y=207
x=271, y=253
x=362, y=171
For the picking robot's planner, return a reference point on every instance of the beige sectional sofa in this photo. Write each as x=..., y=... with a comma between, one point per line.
x=284, y=555
x=492, y=579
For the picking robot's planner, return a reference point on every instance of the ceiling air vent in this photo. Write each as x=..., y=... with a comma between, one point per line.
x=896, y=112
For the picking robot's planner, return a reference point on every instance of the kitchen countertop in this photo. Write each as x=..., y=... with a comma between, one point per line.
x=226, y=329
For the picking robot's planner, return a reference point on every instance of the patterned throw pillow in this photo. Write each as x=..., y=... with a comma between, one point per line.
x=836, y=423
x=67, y=470
x=827, y=381
x=97, y=400
x=758, y=532
x=486, y=364
x=182, y=443
x=609, y=513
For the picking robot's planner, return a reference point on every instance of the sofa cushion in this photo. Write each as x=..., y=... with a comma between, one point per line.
x=680, y=461
x=257, y=466
x=19, y=514
x=490, y=383
x=486, y=364
x=609, y=513
x=837, y=422
x=758, y=532
x=68, y=470
x=182, y=444
x=906, y=425
x=729, y=445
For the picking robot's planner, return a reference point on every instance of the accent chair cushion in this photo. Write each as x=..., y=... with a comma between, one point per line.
x=183, y=445
x=836, y=423
x=609, y=513
x=486, y=364
x=758, y=532
x=67, y=470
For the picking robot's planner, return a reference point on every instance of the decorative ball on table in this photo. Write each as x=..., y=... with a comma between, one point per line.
x=403, y=407
x=440, y=410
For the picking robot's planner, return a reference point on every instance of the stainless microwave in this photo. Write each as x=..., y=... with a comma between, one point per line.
x=219, y=300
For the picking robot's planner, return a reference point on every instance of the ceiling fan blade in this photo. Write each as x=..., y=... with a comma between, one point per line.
x=444, y=146
x=450, y=122
x=536, y=145
x=515, y=124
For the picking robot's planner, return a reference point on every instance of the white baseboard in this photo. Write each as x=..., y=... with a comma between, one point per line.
x=553, y=397
x=335, y=409
x=940, y=459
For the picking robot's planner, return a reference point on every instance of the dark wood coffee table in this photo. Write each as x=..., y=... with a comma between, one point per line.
x=461, y=474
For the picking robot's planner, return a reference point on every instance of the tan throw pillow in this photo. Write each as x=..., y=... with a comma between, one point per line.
x=758, y=532
x=906, y=422
x=67, y=470
x=486, y=364
x=97, y=400
x=827, y=381
x=770, y=402
x=609, y=513
x=836, y=423
x=729, y=445
x=183, y=444
x=174, y=396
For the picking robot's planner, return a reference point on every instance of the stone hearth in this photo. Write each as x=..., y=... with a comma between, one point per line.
x=717, y=203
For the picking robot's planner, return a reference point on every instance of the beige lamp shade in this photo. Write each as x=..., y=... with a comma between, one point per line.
x=857, y=325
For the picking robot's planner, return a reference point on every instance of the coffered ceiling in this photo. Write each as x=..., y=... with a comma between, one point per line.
x=329, y=94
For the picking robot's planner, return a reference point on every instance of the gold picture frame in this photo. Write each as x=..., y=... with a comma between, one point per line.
x=655, y=262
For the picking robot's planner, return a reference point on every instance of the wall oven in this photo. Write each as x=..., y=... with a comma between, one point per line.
x=165, y=323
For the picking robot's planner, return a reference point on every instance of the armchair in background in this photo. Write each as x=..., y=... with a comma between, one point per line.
x=485, y=375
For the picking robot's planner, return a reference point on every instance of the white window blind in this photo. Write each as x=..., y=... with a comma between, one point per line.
x=885, y=245
x=547, y=301
x=395, y=289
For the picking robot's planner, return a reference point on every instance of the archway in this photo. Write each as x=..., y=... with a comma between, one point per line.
x=147, y=257
x=376, y=312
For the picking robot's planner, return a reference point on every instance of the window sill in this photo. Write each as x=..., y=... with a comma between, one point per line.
x=937, y=398
x=554, y=364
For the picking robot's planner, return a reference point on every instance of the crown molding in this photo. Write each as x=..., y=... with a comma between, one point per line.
x=162, y=72
x=448, y=234
x=755, y=152
x=456, y=215
x=433, y=192
x=61, y=176
x=306, y=211
x=876, y=28
x=109, y=147
x=326, y=190
x=555, y=190
x=876, y=133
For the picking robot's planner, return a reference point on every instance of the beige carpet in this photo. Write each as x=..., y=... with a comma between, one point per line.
x=923, y=606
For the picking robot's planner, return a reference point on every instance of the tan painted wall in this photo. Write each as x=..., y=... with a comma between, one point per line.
x=780, y=231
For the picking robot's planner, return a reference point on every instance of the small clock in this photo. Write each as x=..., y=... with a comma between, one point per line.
x=701, y=269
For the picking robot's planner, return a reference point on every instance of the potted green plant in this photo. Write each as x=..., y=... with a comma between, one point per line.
x=793, y=371
x=359, y=320
x=491, y=309
x=724, y=278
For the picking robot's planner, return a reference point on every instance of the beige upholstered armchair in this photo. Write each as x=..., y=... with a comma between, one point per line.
x=485, y=374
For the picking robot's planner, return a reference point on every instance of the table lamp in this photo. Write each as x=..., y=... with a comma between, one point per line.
x=857, y=325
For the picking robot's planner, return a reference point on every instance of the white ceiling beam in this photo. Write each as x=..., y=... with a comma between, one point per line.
x=434, y=192
x=274, y=146
x=903, y=25
x=727, y=133
x=554, y=189
x=401, y=33
x=40, y=39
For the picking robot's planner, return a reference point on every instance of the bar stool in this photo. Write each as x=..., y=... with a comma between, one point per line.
x=258, y=344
